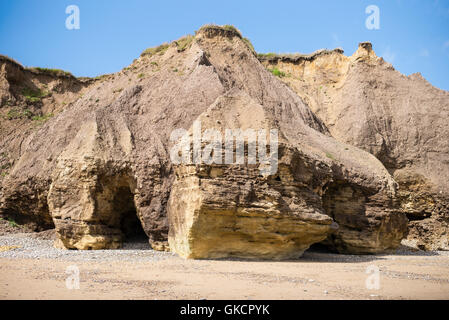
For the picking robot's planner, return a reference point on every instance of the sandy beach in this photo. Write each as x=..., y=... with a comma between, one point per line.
x=30, y=268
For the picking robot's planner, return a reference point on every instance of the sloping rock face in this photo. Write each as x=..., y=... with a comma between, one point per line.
x=108, y=156
x=403, y=121
x=28, y=98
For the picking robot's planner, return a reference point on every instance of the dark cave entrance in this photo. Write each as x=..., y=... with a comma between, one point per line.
x=130, y=224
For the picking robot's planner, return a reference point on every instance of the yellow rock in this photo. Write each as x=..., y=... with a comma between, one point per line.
x=8, y=248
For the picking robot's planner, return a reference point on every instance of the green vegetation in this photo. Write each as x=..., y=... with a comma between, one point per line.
x=8, y=103
x=225, y=27
x=184, y=43
x=12, y=223
x=25, y=114
x=101, y=77
x=266, y=55
x=53, y=72
x=4, y=169
x=3, y=57
x=154, y=63
x=233, y=29
x=275, y=71
x=141, y=75
x=155, y=50
x=43, y=118
x=34, y=95
x=19, y=114
x=249, y=44
x=330, y=156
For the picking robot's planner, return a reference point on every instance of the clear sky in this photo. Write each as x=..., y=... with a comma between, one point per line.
x=413, y=34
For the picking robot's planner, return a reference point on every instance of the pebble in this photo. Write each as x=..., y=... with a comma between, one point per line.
x=23, y=246
x=29, y=248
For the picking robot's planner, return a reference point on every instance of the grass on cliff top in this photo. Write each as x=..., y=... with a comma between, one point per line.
x=266, y=55
x=233, y=29
x=6, y=58
x=250, y=45
x=226, y=27
x=52, y=72
x=155, y=50
x=296, y=57
x=184, y=43
x=181, y=44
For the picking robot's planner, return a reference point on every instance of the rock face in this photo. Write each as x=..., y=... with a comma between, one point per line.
x=103, y=166
x=235, y=210
x=401, y=120
x=28, y=98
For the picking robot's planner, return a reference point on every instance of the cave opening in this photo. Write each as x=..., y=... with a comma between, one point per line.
x=130, y=224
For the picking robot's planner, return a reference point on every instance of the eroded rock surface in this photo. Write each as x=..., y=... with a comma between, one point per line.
x=28, y=98
x=402, y=120
x=106, y=156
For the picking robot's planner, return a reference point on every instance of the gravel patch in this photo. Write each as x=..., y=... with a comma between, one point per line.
x=40, y=246
x=24, y=246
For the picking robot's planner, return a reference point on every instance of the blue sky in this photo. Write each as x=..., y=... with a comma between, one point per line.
x=413, y=34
